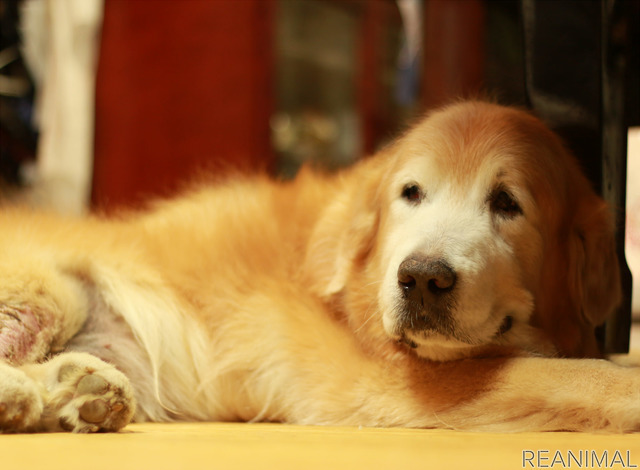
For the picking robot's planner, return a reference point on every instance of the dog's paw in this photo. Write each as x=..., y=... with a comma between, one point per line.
x=89, y=395
x=20, y=401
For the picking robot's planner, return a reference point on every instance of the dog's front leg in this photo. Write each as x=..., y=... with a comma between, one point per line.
x=544, y=394
x=497, y=394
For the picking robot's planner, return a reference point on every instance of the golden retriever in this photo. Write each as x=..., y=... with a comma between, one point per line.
x=449, y=281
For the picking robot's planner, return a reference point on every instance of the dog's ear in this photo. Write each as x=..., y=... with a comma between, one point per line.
x=580, y=283
x=346, y=229
x=595, y=274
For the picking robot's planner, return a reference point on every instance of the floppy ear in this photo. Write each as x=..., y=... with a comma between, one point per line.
x=594, y=263
x=345, y=232
x=580, y=284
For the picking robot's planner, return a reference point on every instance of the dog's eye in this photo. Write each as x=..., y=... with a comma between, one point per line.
x=412, y=193
x=503, y=203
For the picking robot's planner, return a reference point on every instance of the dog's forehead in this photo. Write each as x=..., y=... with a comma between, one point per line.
x=479, y=143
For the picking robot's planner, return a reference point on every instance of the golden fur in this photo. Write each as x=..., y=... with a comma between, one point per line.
x=289, y=301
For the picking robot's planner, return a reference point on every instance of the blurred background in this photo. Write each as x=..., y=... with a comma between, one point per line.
x=105, y=103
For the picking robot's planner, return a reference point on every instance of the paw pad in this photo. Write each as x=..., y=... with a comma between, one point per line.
x=94, y=411
x=91, y=384
x=102, y=400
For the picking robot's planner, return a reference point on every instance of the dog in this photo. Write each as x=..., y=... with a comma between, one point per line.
x=452, y=280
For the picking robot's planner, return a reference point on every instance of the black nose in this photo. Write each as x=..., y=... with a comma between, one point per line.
x=424, y=279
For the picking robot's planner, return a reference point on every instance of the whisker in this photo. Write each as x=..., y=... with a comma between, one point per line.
x=372, y=283
x=368, y=316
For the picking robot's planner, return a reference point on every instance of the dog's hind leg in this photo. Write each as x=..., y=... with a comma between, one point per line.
x=21, y=403
x=73, y=392
x=42, y=305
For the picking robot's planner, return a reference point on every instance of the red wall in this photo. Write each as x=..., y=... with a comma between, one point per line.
x=181, y=86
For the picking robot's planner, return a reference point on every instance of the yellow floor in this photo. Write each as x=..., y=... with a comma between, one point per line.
x=253, y=446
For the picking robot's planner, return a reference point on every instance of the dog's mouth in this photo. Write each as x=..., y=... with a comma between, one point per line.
x=505, y=326
x=407, y=341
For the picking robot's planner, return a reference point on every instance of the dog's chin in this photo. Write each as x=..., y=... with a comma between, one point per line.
x=437, y=346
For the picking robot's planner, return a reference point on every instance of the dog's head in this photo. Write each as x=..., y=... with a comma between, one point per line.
x=476, y=228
